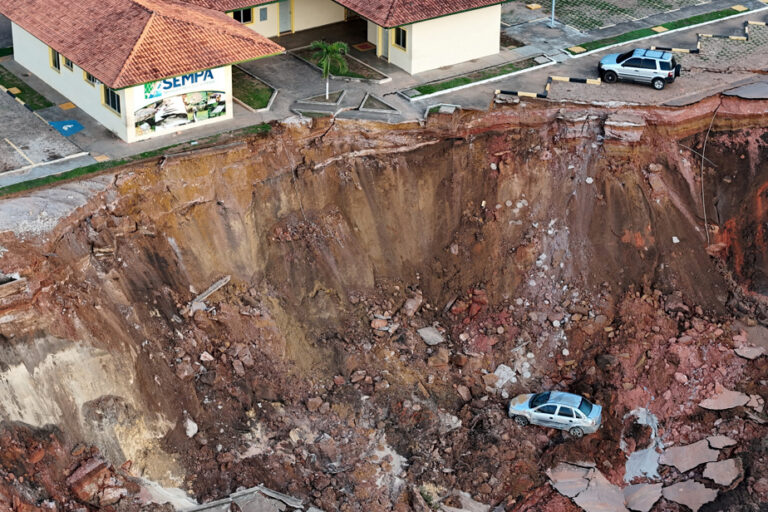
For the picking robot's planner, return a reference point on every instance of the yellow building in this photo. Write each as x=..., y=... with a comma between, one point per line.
x=141, y=68
x=415, y=35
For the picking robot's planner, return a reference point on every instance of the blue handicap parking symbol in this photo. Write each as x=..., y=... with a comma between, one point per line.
x=67, y=128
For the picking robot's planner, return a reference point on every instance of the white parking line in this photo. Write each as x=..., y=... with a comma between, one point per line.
x=20, y=152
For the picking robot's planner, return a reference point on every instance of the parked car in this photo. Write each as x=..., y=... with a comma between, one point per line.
x=654, y=67
x=557, y=409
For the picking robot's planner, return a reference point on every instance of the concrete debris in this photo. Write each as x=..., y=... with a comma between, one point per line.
x=448, y=422
x=431, y=336
x=505, y=375
x=412, y=305
x=587, y=487
x=255, y=499
x=642, y=497
x=728, y=399
x=690, y=493
x=689, y=456
x=467, y=504
x=749, y=351
x=198, y=303
x=720, y=442
x=190, y=427
x=724, y=472
x=756, y=402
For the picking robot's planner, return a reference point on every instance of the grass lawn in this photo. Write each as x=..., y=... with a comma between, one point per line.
x=356, y=68
x=475, y=76
x=101, y=166
x=28, y=95
x=6, y=51
x=249, y=90
x=644, y=32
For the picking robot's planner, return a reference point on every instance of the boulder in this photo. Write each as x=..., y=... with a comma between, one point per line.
x=431, y=336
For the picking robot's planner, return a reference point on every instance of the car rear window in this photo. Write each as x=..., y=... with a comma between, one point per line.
x=667, y=65
x=585, y=406
x=538, y=399
x=624, y=56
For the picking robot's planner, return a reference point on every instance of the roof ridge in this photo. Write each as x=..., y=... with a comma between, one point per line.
x=389, y=12
x=136, y=44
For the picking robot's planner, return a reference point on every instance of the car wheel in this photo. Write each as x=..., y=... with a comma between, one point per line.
x=521, y=420
x=610, y=77
x=576, y=432
x=658, y=83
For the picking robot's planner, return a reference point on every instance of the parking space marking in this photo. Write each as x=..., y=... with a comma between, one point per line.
x=20, y=152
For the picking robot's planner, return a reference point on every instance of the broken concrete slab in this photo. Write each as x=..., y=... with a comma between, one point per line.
x=642, y=497
x=728, y=399
x=724, y=472
x=569, y=479
x=689, y=456
x=587, y=487
x=431, y=336
x=756, y=402
x=600, y=495
x=719, y=442
x=749, y=351
x=690, y=493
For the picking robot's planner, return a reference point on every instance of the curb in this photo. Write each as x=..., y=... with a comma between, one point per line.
x=548, y=86
x=699, y=37
x=275, y=90
x=473, y=84
x=379, y=81
x=745, y=13
x=20, y=101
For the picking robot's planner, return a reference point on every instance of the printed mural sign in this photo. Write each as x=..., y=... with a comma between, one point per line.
x=174, y=102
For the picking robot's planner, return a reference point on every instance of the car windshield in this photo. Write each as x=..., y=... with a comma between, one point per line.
x=585, y=406
x=624, y=56
x=538, y=399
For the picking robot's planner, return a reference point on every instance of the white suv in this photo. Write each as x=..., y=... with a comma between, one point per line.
x=654, y=67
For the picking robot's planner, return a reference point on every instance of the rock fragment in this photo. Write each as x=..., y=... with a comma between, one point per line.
x=690, y=493
x=749, y=351
x=724, y=472
x=642, y=497
x=431, y=336
x=190, y=427
x=689, y=456
x=728, y=399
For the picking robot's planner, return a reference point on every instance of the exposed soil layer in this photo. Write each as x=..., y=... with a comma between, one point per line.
x=565, y=242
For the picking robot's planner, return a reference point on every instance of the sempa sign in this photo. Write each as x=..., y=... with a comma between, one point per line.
x=208, y=80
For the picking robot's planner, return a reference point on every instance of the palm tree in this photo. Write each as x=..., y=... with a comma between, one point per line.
x=330, y=56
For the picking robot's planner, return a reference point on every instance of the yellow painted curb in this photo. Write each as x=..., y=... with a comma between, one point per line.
x=533, y=7
x=101, y=158
x=67, y=106
x=577, y=49
x=739, y=8
x=659, y=29
x=14, y=90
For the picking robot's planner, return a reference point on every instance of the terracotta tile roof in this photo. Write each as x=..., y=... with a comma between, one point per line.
x=228, y=5
x=129, y=42
x=392, y=13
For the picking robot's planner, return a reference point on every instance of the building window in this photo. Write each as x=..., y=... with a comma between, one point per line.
x=401, y=38
x=243, y=15
x=263, y=14
x=90, y=78
x=68, y=64
x=55, y=59
x=111, y=99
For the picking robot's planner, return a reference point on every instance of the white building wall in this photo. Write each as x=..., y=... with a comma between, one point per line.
x=372, y=33
x=402, y=58
x=453, y=39
x=34, y=55
x=315, y=13
x=269, y=27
